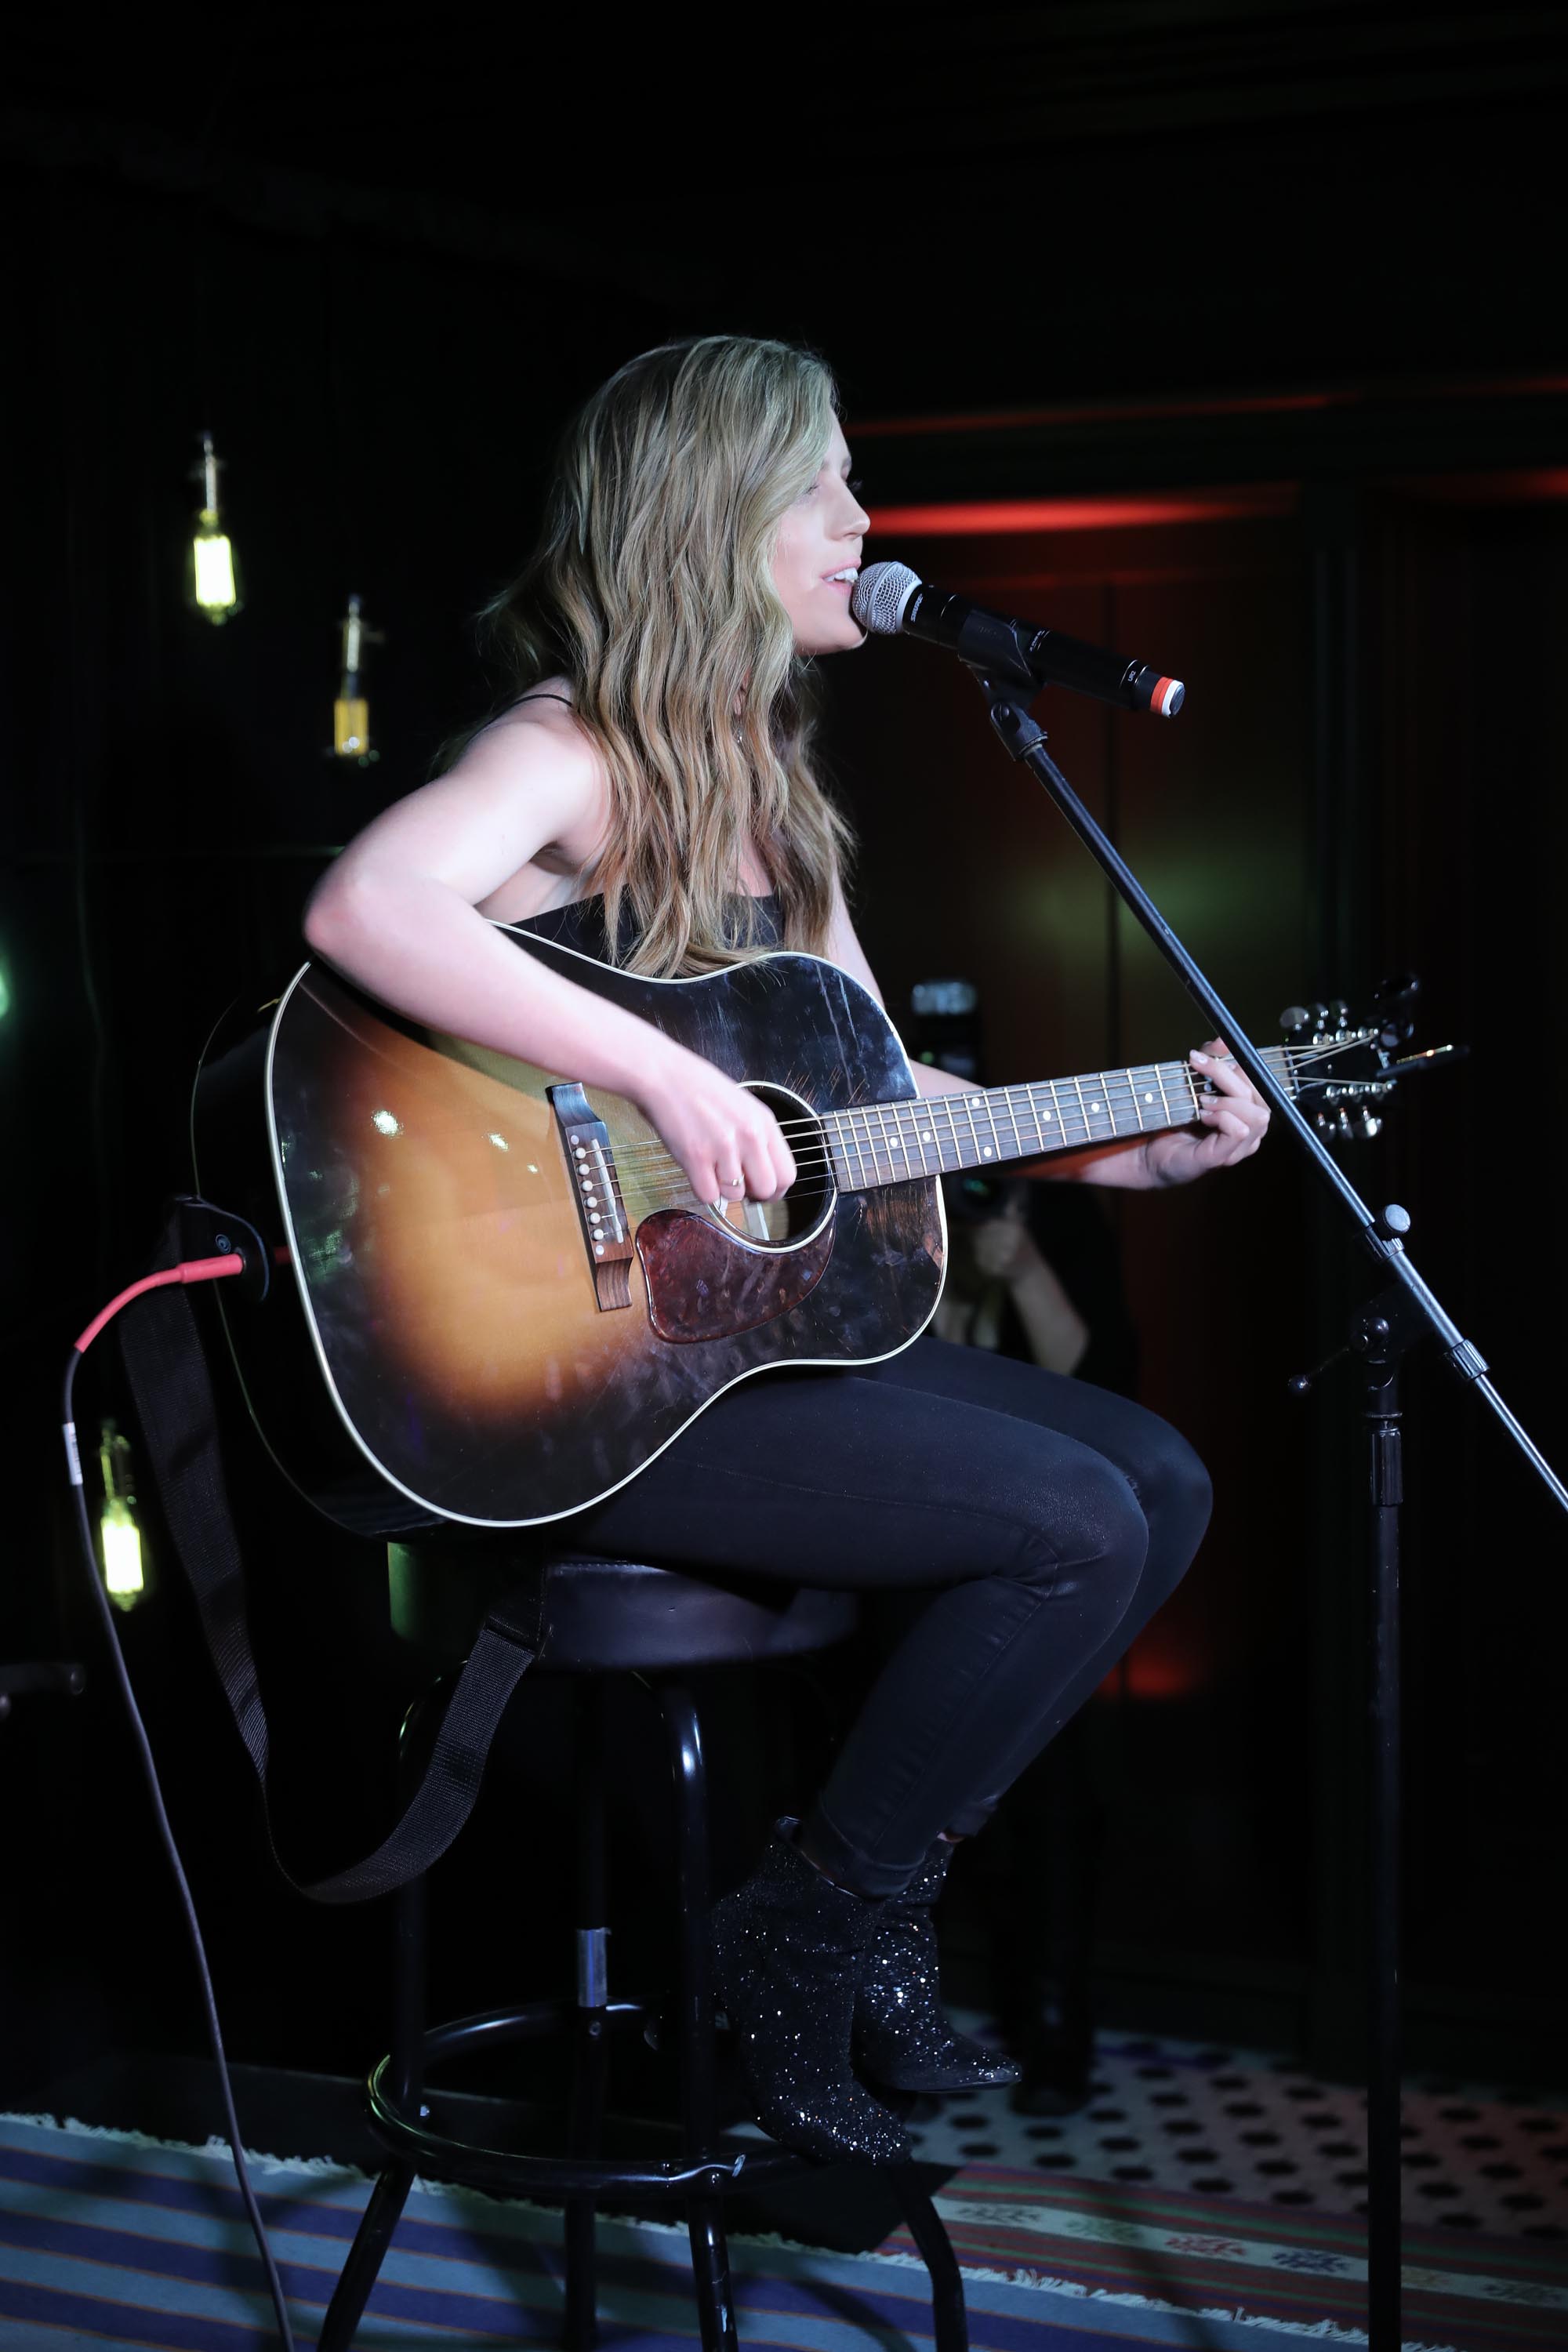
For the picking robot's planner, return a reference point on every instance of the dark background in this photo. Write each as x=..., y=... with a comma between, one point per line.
x=1238, y=329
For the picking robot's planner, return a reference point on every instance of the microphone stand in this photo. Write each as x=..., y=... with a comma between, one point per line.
x=1380, y=1332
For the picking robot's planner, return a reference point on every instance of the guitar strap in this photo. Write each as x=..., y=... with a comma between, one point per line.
x=161, y=1347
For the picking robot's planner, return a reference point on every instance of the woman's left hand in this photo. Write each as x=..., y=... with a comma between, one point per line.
x=1233, y=1124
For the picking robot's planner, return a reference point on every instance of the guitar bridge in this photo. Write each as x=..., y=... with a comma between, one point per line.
x=596, y=1188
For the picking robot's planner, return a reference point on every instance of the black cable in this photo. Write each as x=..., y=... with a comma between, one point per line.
x=166, y=1835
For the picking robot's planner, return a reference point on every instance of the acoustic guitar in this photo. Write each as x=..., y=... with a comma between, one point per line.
x=495, y=1297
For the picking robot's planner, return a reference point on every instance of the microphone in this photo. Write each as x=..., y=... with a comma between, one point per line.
x=889, y=601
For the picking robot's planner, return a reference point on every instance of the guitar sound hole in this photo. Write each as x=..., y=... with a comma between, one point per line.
x=780, y=1224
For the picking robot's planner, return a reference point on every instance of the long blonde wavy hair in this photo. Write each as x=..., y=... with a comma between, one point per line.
x=651, y=589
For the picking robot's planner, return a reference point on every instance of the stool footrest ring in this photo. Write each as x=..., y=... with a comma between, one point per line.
x=442, y=2155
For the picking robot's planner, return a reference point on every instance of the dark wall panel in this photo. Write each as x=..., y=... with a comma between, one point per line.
x=970, y=870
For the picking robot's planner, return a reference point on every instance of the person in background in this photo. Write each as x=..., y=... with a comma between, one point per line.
x=1000, y=1287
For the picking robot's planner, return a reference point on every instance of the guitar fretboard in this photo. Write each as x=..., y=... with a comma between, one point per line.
x=890, y=1142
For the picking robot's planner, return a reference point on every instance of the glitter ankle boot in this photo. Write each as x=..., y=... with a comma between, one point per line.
x=788, y=1948
x=902, y=2036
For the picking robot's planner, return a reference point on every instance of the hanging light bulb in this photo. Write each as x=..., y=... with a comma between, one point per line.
x=212, y=581
x=119, y=1537
x=351, y=711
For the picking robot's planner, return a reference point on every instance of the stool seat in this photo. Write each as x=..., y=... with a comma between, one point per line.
x=608, y=1616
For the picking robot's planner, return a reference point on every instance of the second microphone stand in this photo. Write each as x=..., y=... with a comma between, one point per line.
x=1404, y=1311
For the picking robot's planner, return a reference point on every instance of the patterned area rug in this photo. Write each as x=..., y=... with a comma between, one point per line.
x=106, y=2238
x=1228, y=2122
x=1201, y=2253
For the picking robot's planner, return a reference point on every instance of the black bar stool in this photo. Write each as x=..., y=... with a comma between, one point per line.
x=601, y=1617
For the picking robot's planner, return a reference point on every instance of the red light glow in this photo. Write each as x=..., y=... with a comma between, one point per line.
x=992, y=518
x=1153, y=1671
x=1527, y=486
x=1258, y=404
x=1118, y=412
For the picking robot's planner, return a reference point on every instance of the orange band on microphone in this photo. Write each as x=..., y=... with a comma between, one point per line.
x=1157, y=700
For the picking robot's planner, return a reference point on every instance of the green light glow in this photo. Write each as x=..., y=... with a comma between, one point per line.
x=124, y=1573
x=122, y=1576
x=214, y=570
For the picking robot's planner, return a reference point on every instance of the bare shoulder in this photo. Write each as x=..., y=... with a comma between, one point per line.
x=527, y=800
x=539, y=743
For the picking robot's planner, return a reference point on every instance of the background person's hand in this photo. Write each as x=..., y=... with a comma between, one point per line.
x=1004, y=1248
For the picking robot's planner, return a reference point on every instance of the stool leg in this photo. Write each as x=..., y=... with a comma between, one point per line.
x=694, y=2015
x=388, y=2197
x=367, y=2254
x=590, y=2065
x=410, y=1945
x=950, y=2323
x=710, y=2275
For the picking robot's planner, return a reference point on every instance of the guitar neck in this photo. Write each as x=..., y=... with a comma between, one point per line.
x=935, y=1134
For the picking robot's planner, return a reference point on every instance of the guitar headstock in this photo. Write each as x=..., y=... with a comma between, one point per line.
x=1343, y=1071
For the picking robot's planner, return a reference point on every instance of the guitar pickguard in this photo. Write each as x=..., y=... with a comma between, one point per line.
x=703, y=1285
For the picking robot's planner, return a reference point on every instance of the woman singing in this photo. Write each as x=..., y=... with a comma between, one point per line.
x=650, y=796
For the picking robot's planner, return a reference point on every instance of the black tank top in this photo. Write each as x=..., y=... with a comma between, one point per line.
x=581, y=924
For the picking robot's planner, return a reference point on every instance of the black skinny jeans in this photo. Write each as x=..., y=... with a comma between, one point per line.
x=1050, y=1518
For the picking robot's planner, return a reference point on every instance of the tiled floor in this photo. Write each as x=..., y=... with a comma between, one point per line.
x=1237, y=2122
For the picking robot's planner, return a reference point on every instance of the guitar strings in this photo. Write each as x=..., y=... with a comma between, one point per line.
x=874, y=1138
x=854, y=1157
x=656, y=1172
x=998, y=1118
x=1122, y=1084
x=857, y=1146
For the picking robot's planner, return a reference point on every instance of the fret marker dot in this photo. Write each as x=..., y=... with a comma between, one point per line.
x=985, y=1152
x=1094, y=1106
x=1147, y=1097
x=1048, y=1116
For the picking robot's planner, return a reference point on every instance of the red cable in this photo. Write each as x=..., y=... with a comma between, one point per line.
x=192, y=1269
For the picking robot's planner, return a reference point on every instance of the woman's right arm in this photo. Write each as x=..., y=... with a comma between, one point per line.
x=397, y=913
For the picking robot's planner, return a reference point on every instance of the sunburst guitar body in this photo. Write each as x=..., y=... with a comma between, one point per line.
x=495, y=1298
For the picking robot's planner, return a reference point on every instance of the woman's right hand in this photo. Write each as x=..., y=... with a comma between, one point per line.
x=728, y=1143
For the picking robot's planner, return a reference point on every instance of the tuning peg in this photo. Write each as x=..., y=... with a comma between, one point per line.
x=1393, y=1001
x=1370, y=1124
x=1295, y=1020
x=1340, y=1013
x=1317, y=1014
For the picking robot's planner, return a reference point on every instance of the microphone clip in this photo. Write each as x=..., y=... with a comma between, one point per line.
x=1008, y=699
